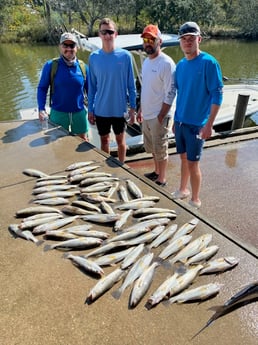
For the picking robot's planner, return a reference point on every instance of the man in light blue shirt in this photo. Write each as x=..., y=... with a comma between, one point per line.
x=111, y=88
x=198, y=80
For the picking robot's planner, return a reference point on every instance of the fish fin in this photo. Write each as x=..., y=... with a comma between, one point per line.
x=65, y=255
x=180, y=267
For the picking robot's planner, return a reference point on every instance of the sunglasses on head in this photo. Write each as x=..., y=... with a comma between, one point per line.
x=107, y=31
x=188, y=30
x=149, y=40
x=69, y=45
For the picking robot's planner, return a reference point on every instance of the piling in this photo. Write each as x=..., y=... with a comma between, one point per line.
x=239, y=116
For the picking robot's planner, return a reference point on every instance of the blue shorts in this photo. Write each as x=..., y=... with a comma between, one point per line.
x=188, y=141
x=104, y=125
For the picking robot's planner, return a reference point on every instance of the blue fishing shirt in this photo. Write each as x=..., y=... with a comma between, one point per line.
x=199, y=85
x=111, y=83
x=69, y=87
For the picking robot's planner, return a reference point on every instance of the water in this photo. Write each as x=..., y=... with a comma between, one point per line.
x=20, y=66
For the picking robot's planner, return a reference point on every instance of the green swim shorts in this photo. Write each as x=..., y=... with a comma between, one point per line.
x=75, y=123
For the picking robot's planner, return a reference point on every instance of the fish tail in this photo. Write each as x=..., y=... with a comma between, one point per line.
x=38, y=243
x=65, y=255
x=169, y=301
x=47, y=247
x=117, y=293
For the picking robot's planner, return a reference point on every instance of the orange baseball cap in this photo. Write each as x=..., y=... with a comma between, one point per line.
x=151, y=30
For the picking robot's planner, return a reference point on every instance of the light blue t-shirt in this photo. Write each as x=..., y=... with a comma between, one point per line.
x=111, y=83
x=199, y=85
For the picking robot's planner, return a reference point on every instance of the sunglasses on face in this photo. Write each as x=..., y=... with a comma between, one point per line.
x=149, y=40
x=69, y=45
x=105, y=32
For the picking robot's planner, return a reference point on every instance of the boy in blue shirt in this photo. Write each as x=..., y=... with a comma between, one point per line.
x=111, y=87
x=198, y=80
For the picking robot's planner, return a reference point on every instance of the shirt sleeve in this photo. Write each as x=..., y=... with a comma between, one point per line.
x=43, y=85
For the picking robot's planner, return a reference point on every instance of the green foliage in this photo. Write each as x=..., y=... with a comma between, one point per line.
x=41, y=20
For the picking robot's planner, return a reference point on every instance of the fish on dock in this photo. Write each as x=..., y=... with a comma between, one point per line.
x=104, y=284
x=26, y=234
x=85, y=264
x=75, y=244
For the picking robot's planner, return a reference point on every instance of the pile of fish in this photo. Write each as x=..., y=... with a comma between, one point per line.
x=133, y=235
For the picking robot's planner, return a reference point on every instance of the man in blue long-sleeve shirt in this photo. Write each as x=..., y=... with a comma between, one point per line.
x=69, y=86
x=198, y=80
x=111, y=88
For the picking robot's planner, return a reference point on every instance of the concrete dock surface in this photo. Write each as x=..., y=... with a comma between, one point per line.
x=42, y=295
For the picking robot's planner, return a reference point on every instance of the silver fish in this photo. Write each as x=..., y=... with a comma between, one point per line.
x=57, y=194
x=164, y=236
x=86, y=264
x=130, y=205
x=81, y=227
x=135, y=272
x=82, y=170
x=52, y=201
x=78, y=165
x=184, y=280
x=162, y=291
x=69, y=209
x=123, y=219
x=79, y=177
x=132, y=256
x=204, y=254
x=28, y=224
x=26, y=234
x=53, y=225
x=53, y=188
x=219, y=265
x=92, y=180
x=33, y=172
x=112, y=190
x=36, y=210
x=105, y=284
x=134, y=189
x=196, y=294
x=146, y=237
x=60, y=234
x=50, y=182
x=151, y=210
x=192, y=248
x=106, y=208
x=174, y=246
x=113, y=258
x=105, y=248
x=123, y=193
x=142, y=285
x=148, y=223
x=75, y=244
x=51, y=177
x=97, y=187
x=157, y=215
x=129, y=234
x=101, y=218
x=186, y=228
x=87, y=205
x=95, y=197
x=41, y=215
x=90, y=233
